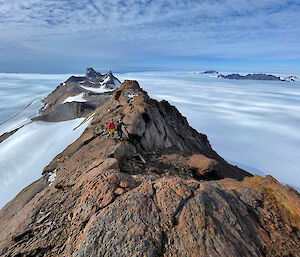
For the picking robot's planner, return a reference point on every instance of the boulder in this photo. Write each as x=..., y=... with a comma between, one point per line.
x=205, y=167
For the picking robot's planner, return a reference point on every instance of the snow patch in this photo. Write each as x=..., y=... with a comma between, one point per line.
x=105, y=80
x=76, y=98
x=52, y=177
x=130, y=96
x=99, y=90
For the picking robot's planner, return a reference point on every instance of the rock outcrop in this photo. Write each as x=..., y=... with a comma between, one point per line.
x=159, y=191
x=90, y=73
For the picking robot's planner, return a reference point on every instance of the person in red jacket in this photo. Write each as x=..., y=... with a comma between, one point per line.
x=111, y=128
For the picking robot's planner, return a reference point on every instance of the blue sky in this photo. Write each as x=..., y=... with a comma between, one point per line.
x=57, y=36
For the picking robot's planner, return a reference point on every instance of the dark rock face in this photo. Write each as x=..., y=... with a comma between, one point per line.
x=157, y=125
x=6, y=135
x=75, y=79
x=68, y=111
x=161, y=191
x=91, y=73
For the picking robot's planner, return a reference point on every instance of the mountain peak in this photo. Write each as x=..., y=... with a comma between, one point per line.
x=78, y=96
x=91, y=73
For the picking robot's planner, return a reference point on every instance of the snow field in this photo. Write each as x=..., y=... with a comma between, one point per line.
x=24, y=155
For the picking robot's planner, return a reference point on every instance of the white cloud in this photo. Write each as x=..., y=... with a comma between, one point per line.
x=242, y=29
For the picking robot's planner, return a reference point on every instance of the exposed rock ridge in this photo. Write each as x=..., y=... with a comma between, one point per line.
x=184, y=201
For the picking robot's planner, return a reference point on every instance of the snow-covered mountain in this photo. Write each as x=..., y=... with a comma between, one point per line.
x=98, y=83
x=78, y=96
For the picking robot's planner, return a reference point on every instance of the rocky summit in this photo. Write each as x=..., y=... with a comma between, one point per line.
x=161, y=190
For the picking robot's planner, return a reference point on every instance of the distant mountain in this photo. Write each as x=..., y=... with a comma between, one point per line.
x=210, y=72
x=257, y=76
x=78, y=96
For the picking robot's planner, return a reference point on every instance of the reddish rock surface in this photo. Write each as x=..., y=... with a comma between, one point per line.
x=161, y=191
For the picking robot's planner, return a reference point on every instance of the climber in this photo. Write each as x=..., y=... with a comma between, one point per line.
x=119, y=125
x=111, y=128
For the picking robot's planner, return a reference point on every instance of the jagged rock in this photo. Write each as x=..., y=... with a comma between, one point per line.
x=91, y=73
x=182, y=200
x=157, y=125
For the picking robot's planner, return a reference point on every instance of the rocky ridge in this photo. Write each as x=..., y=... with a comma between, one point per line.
x=161, y=191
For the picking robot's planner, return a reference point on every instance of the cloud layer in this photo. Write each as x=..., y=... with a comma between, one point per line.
x=123, y=32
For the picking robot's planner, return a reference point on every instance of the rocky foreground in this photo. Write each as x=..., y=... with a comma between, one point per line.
x=160, y=191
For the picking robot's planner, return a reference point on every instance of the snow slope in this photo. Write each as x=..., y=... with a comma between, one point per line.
x=76, y=98
x=24, y=155
x=99, y=90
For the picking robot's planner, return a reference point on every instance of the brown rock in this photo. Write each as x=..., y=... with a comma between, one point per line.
x=110, y=164
x=205, y=167
x=119, y=191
